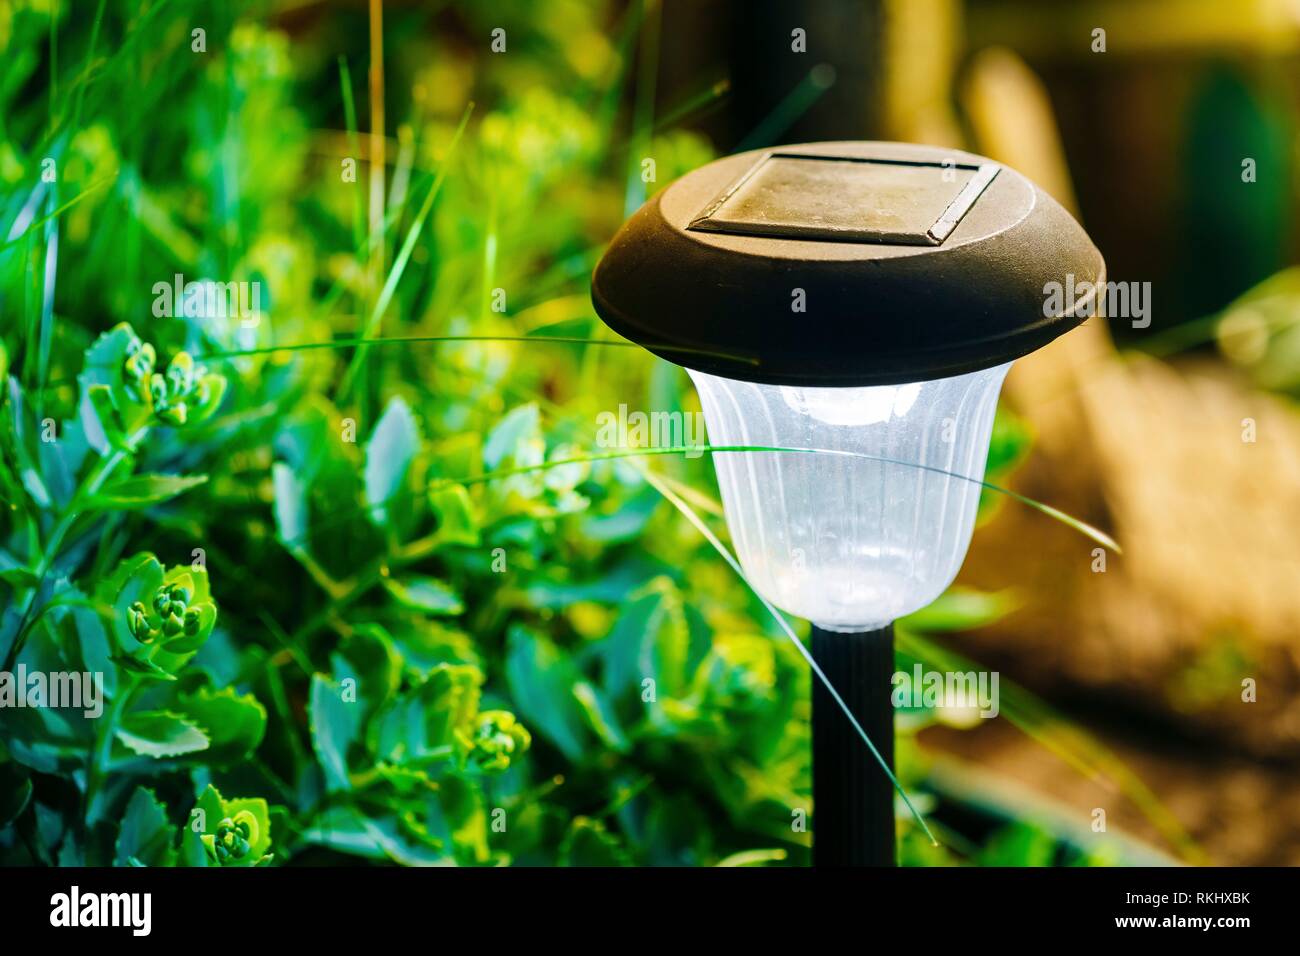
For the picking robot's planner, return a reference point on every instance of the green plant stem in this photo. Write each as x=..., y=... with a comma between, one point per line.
x=90, y=485
x=356, y=587
x=102, y=754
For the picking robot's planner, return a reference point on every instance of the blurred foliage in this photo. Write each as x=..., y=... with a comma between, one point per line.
x=293, y=564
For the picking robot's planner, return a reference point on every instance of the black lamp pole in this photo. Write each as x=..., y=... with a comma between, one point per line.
x=853, y=799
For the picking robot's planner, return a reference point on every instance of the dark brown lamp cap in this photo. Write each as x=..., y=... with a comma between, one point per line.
x=853, y=263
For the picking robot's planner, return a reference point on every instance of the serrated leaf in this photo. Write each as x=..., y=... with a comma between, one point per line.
x=588, y=843
x=422, y=724
x=160, y=733
x=145, y=836
x=234, y=724
x=141, y=491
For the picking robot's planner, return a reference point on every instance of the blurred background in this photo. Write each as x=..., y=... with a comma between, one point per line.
x=1159, y=686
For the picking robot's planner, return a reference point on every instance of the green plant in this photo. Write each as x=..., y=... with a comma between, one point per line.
x=381, y=589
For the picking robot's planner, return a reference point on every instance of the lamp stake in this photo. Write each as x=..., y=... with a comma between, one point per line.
x=853, y=800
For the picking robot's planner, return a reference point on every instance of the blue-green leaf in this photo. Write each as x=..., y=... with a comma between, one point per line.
x=290, y=505
x=335, y=726
x=392, y=447
x=541, y=683
x=160, y=733
x=145, y=836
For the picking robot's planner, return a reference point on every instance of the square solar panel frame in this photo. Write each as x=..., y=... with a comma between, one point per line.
x=713, y=217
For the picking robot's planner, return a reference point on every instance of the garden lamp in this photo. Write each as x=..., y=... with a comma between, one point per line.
x=863, y=300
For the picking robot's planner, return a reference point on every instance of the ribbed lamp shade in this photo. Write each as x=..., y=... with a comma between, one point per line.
x=852, y=541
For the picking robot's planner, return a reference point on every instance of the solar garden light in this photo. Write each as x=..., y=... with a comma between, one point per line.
x=865, y=300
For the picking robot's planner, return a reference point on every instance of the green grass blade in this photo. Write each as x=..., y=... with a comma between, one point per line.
x=354, y=145
x=1096, y=534
x=403, y=256
x=55, y=213
x=355, y=341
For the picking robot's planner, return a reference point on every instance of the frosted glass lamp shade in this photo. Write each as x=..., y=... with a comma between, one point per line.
x=852, y=543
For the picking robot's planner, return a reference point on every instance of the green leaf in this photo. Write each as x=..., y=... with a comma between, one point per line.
x=19, y=577
x=135, y=579
x=516, y=439
x=335, y=726
x=194, y=579
x=541, y=682
x=104, y=366
x=457, y=817
x=142, y=667
x=1019, y=844
x=160, y=733
x=100, y=399
x=145, y=836
x=600, y=716
x=432, y=720
x=234, y=725
x=428, y=595
x=216, y=390
x=376, y=836
x=368, y=658
x=192, y=852
x=588, y=843
x=141, y=491
x=650, y=640
x=262, y=813
x=455, y=511
x=1009, y=443
x=392, y=447
x=290, y=505
x=15, y=791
